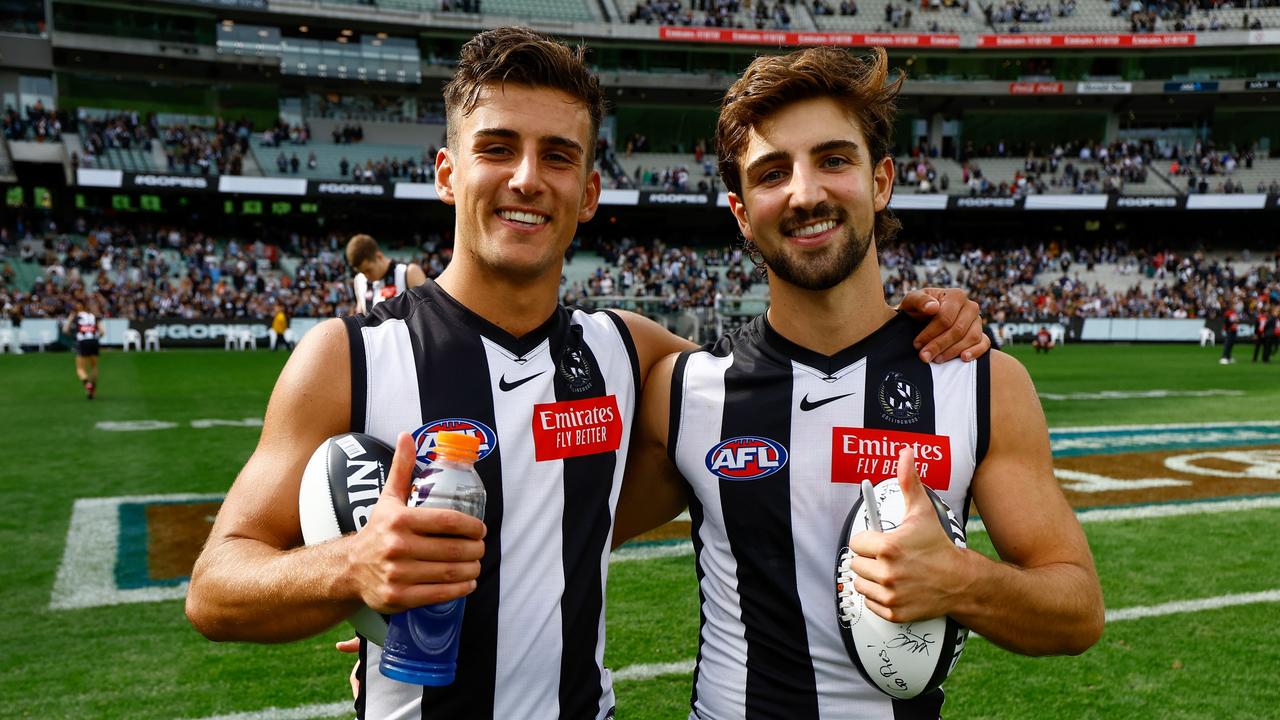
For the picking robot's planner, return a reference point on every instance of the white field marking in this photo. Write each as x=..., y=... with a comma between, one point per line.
x=86, y=576
x=135, y=425
x=685, y=667
x=1258, y=464
x=646, y=672
x=649, y=552
x=1084, y=482
x=1138, y=394
x=201, y=424
x=1190, y=606
x=1141, y=512
x=304, y=712
x=1164, y=510
x=653, y=670
x=1164, y=426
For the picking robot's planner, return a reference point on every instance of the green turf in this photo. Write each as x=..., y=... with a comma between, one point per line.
x=1074, y=368
x=144, y=661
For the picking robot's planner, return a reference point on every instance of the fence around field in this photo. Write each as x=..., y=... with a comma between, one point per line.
x=699, y=324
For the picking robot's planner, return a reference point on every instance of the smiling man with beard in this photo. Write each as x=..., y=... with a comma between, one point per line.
x=766, y=434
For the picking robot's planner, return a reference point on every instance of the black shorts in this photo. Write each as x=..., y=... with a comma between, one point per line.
x=87, y=348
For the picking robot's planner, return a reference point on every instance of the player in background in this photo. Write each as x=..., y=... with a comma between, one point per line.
x=524, y=113
x=1044, y=340
x=766, y=434
x=87, y=329
x=1230, y=323
x=377, y=278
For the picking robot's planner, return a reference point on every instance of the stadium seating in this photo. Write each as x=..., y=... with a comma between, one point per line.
x=329, y=157
x=132, y=338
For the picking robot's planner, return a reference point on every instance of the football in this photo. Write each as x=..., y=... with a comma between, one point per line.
x=340, y=486
x=902, y=660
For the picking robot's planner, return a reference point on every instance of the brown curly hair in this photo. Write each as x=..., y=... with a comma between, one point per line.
x=772, y=82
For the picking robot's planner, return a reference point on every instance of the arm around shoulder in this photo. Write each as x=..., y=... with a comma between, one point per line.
x=1044, y=597
x=653, y=342
x=652, y=489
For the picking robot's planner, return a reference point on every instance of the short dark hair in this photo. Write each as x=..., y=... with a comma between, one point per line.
x=360, y=250
x=775, y=81
x=526, y=57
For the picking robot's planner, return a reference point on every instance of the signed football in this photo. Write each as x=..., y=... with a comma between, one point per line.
x=902, y=660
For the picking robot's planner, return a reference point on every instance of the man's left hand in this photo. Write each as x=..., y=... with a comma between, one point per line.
x=955, y=326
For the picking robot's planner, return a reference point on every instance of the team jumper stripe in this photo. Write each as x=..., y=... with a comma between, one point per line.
x=451, y=364
x=780, y=680
x=359, y=373
x=586, y=523
x=533, y=631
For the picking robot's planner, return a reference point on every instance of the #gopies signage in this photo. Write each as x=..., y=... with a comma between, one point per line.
x=201, y=332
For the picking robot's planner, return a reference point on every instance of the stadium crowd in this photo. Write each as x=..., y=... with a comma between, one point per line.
x=737, y=14
x=1037, y=283
x=34, y=123
x=680, y=276
x=144, y=272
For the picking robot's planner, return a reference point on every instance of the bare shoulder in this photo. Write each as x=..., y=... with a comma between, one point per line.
x=311, y=401
x=653, y=342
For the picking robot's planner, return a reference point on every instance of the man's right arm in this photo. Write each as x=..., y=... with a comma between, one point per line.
x=652, y=490
x=253, y=580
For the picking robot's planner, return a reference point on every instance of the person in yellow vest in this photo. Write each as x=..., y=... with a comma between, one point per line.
x=279, y=324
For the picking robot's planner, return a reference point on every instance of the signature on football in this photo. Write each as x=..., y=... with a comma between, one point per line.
x=913, y=642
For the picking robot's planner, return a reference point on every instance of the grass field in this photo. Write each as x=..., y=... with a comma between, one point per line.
x=142, y=659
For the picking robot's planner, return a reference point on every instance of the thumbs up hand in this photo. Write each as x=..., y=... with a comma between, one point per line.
x=407, y=557
x=913, y=572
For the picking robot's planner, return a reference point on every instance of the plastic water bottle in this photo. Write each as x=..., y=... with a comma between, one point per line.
x=422, y=644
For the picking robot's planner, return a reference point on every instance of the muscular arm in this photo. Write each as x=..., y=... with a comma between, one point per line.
x=652, y=491
x=253, y=582
x=1043, y=596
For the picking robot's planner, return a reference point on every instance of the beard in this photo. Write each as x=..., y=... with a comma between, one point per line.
x=831, y=265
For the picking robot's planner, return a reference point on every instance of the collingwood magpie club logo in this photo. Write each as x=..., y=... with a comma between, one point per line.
x=899, y=399
x=575, y=368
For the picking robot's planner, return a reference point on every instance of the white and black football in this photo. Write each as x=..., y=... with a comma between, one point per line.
x=340, y=486
x=902, y=660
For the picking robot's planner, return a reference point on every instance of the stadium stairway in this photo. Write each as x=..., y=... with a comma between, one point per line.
x=72, y=148
x=6, y=165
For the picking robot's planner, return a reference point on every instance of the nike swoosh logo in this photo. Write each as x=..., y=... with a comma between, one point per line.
x=505, y=386
x=806, y=406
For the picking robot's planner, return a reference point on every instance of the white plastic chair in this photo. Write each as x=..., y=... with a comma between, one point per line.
x=9, y=341
x=134, y=338
x=246, y=340
x=151, y=338
x=1207, y=337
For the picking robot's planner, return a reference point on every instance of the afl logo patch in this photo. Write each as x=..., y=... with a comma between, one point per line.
x=575, y=369
x=899, y=399
x=748, y=457
x=424, y=438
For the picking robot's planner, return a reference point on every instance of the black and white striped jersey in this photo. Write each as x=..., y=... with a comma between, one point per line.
x=390, y=285
x=554, y=411
x=774, y=440
x=86, y=326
